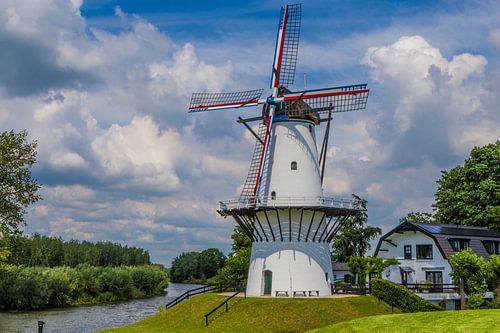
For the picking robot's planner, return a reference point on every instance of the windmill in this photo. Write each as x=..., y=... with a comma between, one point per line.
x=282, y=207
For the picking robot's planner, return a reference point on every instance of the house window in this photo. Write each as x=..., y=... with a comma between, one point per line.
x=424, y=251
x=407, y=251
x=492, y=247
x=459, y=244
x=310, y=129
x=293, y=165
x=273, y=195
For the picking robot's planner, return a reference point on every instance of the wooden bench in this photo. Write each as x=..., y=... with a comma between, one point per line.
x=311, y=292
x=281, y=293
x=299, y=293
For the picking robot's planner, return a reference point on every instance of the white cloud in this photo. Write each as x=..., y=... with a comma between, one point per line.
x=139, y=153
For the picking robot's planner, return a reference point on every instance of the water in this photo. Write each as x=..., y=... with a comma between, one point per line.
x=86, y=319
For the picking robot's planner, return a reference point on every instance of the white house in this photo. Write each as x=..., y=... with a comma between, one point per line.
x=423, y=251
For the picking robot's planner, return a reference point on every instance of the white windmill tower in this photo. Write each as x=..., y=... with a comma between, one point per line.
x=282, y=207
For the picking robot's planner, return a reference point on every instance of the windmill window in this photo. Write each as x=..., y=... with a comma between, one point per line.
x=273, y=195
x=293, y=165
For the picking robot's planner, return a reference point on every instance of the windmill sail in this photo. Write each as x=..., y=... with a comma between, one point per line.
x=287, y=46
x=337, y=99
x=215, y=101
x=247, y=194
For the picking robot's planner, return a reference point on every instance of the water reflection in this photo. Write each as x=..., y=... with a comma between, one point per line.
x=88, y=318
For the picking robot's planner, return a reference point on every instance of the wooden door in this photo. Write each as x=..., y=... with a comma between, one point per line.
x=268, y=282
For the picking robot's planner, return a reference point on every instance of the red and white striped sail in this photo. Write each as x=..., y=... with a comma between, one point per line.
x=287, y=46
x=336, y=99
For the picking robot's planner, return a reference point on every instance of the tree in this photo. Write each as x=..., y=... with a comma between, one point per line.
x=185, y=267
x=493, y=273
x=469, y=271
x=355, y=235
x=210, y=261
x=417, y=217
x=238, y=261
x=361, y=267
x=470, y=194
x=17, y=187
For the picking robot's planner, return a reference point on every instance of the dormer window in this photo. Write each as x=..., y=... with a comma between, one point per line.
x=459, y=244
x=492, y=247
x=293, y=165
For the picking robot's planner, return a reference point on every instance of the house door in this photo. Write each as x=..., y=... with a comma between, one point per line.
x=436, y=278
x=268, y=282
x=404, y=278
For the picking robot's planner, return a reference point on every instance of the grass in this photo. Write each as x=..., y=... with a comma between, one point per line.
x=436, y=322
x=258, y=314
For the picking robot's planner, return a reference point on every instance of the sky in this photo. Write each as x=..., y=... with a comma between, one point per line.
x=103, y=86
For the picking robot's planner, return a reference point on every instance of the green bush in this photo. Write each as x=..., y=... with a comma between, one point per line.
x=399, y=296
x=64, y=284
x=31, y=289
x=116, y=280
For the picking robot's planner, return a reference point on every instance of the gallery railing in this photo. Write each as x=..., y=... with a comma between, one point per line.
x=326, y=202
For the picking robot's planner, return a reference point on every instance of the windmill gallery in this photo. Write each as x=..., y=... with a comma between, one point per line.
x=282, y=207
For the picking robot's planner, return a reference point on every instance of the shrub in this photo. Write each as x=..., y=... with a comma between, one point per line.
x=400, y=297
x=148, y=279
x=64, y=284
x=31, y=289
x=117, y=281
x=8, y=293
x=25, y=288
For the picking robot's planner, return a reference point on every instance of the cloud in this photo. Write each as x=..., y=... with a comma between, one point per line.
x=424, y=91
x=120, y=160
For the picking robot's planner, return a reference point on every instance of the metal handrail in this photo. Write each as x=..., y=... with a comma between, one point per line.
x=220, y=305
x=290, y=202
x=188, y=293
x=432, y=287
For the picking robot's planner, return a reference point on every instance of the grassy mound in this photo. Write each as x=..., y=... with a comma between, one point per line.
x=258, y=314
x=443, y=321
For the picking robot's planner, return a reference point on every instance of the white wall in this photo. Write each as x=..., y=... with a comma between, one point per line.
x=438, y=263
x=296, y=266
x=293, y=140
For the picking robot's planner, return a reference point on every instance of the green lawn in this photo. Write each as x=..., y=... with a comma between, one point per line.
x=436, y=322
x=258, y=314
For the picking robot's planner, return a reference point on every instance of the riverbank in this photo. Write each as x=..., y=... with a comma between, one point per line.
x=87, y=319
x=258, y=314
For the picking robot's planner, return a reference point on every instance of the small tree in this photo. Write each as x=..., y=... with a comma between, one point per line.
x=238, y=261
x=493, y=273
x=17, y=187
x=354, y=236
x=374, y=266
x=469, y=271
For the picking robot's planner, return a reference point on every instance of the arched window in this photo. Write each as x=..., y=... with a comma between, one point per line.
x=273, y=195
x=293, y=166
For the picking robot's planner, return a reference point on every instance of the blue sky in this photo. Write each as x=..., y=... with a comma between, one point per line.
x=103, y=87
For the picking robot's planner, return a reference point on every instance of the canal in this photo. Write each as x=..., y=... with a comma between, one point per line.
x=83, y=319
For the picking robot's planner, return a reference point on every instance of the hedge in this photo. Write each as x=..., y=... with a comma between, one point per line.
x=400, y=297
